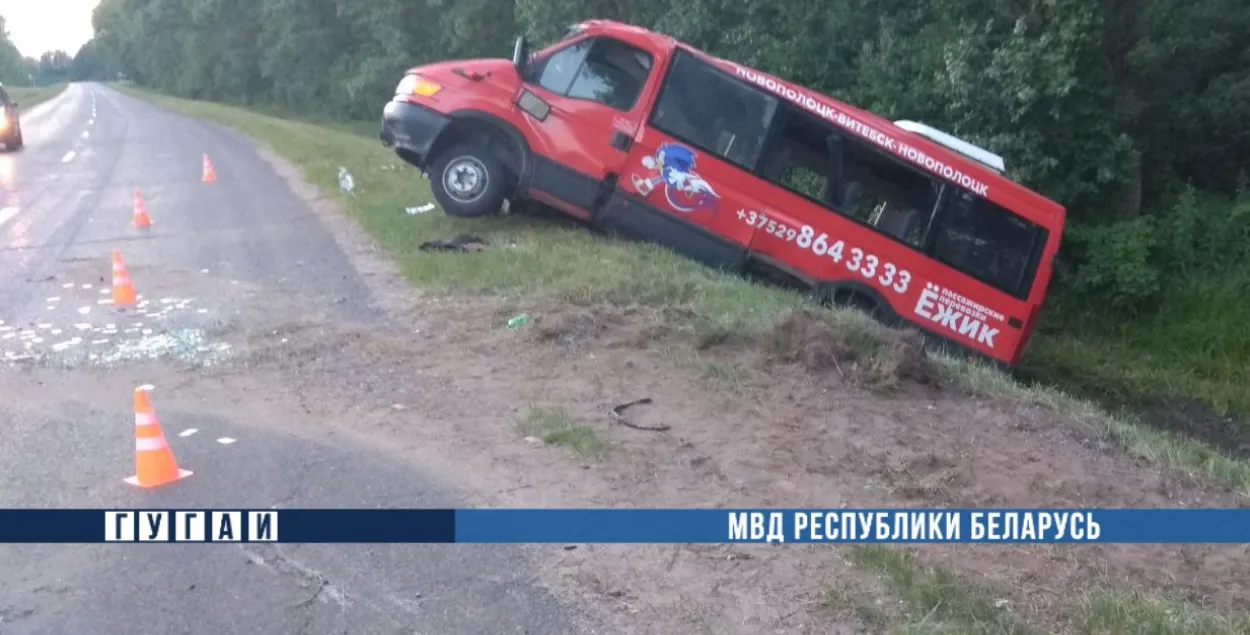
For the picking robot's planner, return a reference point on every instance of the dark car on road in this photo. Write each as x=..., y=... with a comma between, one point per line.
x=11, y=123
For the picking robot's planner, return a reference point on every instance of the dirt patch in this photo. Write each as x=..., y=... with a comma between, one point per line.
x=883, y=362
x=608, y=326
x=886, y=361
x=784, y=439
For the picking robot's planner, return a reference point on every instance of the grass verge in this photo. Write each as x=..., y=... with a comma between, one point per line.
x=911, y=599
x=556, y=427
x=535, y=264
x=920, y=600
x=28, y=97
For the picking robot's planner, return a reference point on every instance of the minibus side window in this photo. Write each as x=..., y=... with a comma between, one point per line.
x=988, y=242
x=808, y=157
x=714, y=112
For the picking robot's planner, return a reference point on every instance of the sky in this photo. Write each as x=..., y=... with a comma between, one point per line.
x=36, y=26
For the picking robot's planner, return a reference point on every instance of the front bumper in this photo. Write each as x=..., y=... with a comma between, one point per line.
x=411, y=130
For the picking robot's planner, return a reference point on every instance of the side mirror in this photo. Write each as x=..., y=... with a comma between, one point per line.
x=521, y=55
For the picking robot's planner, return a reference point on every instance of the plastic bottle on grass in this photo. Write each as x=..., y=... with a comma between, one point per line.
x=518, y=321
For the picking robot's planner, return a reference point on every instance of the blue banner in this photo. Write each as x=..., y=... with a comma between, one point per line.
x=853, y=526
x=631, y=526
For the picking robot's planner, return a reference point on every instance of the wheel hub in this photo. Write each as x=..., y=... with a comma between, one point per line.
x=465, y=179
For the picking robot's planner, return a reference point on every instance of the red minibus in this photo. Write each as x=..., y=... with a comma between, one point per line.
x=637, y=133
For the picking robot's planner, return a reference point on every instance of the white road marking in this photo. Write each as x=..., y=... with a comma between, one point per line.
x=86, y=134
x=226, y=440
x=188, y=432
x=69, y=156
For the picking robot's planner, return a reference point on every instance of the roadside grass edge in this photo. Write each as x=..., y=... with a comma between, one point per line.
x=28, y=97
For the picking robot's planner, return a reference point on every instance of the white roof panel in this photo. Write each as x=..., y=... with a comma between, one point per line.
x=978, y=154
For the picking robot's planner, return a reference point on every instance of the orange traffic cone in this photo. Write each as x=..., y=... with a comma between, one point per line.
x=209, y=175
x=141, y=218
x=123, y=291
x=154, y=460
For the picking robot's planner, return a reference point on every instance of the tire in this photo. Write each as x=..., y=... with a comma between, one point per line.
x=468, y=181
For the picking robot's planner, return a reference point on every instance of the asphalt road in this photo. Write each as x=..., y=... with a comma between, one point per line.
x=66, y=205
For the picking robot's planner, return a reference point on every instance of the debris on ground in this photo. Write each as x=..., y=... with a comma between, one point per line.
x=464, y=242
x=421, y=209
x=518, y=321
x=347, y=184
x=619, y=417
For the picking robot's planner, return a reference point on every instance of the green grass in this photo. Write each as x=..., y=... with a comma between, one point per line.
x=1117, y=613
x=533, y=264
x=915, y=600
x=928, y=601
x=1194, y=347
x=1188, y=344
x=28, y=97
x=556, y=427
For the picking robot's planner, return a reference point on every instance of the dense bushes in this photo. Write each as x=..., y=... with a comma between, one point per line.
x=1133, y=263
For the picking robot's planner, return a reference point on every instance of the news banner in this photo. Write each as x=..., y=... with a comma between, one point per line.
x=628, y=526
